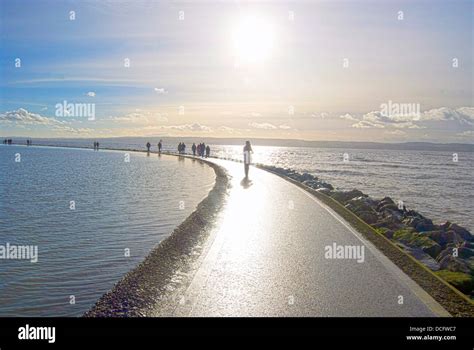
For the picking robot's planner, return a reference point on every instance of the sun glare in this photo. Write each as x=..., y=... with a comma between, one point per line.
x=253, y=39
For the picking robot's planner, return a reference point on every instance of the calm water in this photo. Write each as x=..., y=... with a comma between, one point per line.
x=119, y=205
x=429, y=182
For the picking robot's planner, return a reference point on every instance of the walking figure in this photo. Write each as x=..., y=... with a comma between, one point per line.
x=247, y=158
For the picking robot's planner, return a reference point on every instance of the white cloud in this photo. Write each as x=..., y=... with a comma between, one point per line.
x=347, y=116
x=395, y=132
x=467, y=133
x=265, y=126
x=189, y=127
x=463, y=116
x=22, y=117
x=91, y=94
x=160, y=91
x=140, y=117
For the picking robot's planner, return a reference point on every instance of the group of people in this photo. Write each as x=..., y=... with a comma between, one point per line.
x=160, y=146
x=201, y=150
x=10, y=142
x=96, y=145
x=181, y=148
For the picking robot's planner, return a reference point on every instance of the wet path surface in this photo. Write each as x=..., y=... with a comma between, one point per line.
x=267, y=257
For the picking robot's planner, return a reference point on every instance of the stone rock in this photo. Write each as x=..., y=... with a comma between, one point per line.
x=344, y=196
x=419, y=223
x=387, y=204
x=369, y=217
x=444, y=237
x=361, y=204
x=417, y=240
x=461, y=231
x=324, y=190
x=421, y=256
x=454, y=264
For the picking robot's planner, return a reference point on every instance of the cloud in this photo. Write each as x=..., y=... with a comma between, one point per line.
x=264, y=126
x=140, y=117
x=365, y=124
x=347, y=116
x=160, y=91
x=91, y=94
x=467, y=133
x=463, y=116
x=395, y=132
x=226, y=129
x=189, y=127
x=22, y=117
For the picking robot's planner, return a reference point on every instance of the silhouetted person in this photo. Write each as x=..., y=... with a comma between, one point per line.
x=203, y=149
x=148, y=145
x=208, y=151
x=160, y=145
x=247, y=151
x=193, y=148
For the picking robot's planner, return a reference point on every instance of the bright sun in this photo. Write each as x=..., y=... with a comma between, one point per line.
x=252, y=40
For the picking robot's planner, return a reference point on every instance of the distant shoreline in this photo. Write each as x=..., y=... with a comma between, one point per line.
x=411, y=146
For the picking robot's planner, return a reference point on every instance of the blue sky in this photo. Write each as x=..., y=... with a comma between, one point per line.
x=214, y=72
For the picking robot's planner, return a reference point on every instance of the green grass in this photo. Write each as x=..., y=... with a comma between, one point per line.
x=462, y=281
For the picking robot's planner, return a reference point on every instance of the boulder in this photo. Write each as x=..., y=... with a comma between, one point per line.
x=361, y=204
x=389, y=223
x=461, y=231
x=369, y=217
x=453, y=264
x=324, y=190
x=421, y=256
x=344, y=196
x=387, y=204
x=414, y=239
x=465, y=253
x=419, y=223
x=444, y=237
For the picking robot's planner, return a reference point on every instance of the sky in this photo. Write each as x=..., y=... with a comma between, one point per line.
x=316, y=70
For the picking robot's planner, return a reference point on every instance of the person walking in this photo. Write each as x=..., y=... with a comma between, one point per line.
x=247, y=159
x=148, y=145
x=160, y=145
x=208, y=151
x=193, y=148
